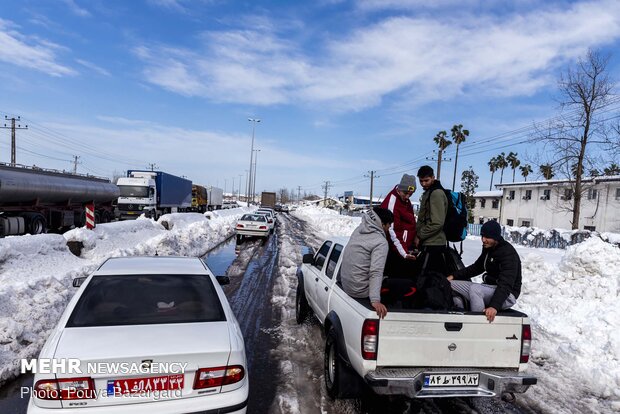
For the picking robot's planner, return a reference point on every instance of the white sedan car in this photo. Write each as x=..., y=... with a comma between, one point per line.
x=145, y=335
x=252, y=224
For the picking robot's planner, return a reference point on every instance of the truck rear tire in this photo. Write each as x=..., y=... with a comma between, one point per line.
x=37, y=224
x=301, y=305
x=340, y=381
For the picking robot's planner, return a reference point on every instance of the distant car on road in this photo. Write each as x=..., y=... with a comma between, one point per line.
x=168, y=321
x=252, y=224
x=271, y=216
x=229, y=204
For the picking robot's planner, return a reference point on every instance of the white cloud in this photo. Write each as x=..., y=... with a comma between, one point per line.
x=30, y=52
x=175, y=5
x=76, y=9
x=93, y=67
x=415, y=58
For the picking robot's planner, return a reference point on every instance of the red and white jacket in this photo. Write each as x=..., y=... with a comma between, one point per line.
x=402, y=232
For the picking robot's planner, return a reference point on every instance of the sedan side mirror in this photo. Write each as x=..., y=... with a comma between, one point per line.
x=77, y=282
x=307, y=258
x=222, y=280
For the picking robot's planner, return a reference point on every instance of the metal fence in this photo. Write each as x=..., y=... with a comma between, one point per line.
x=534, y=237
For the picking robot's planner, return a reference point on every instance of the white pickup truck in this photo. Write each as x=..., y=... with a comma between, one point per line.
x=413, y=353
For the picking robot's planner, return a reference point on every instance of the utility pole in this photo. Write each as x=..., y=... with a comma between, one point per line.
x=225, y=182
x=326, y=187
x=13, y=128
x=153, y=166
x=372, y=177
x=439, y=159
x=75, y=163
x=239, y=192
x=298, y=194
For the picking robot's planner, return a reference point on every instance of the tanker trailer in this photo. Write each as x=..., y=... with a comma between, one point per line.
x=34, y=200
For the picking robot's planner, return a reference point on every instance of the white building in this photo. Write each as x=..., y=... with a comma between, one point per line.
x=548, y=204
x=487, y=206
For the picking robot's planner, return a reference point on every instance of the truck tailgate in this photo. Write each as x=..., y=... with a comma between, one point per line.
x=449, y=340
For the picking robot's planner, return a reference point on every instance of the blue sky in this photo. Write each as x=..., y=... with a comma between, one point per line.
x=341, y=87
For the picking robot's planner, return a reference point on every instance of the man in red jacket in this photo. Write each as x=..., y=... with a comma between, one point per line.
x=400, y=262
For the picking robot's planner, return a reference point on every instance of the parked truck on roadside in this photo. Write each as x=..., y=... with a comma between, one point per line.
x=412, y=353
x=268, y=199
x=153, y=193
x=199, y=199
x=34, y=200
x=215, y=198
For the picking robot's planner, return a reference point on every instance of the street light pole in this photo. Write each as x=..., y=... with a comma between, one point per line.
x=254, y=180
x=253, y=121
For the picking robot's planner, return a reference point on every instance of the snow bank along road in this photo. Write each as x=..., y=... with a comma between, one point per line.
x=571, y=297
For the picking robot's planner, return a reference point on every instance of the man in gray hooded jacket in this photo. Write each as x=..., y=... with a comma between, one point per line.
x=363, y=259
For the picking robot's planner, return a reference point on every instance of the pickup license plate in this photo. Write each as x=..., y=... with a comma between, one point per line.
x=145, y=385
x=451, y=380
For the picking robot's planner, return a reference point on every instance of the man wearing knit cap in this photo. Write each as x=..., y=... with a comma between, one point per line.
x=400, y=263
x=501, y=266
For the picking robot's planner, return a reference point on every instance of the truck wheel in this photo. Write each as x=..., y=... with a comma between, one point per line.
x=301, y=305
x=332, y=365
x=38, y=224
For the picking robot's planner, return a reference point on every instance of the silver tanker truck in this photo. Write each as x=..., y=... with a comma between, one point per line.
x=34, y=200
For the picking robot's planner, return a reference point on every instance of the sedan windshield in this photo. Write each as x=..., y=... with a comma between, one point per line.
x=147, y=299
x=133, y=191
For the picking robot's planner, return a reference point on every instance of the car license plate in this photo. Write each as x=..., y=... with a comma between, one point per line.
x=145, y=385
x=451, y=380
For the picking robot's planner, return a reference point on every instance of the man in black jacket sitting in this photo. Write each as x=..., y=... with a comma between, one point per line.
x=501, y=265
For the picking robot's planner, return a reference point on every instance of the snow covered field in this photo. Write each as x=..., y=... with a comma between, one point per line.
x=572, y=297
x=36, y=271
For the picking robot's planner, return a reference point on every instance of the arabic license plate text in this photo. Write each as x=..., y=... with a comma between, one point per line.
x=451, y=380
x=145, y=385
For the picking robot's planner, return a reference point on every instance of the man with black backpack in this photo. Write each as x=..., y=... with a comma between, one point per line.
x=431, y=238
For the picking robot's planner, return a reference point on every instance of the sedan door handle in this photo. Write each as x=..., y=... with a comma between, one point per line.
x=316, y=279
x=326, y=288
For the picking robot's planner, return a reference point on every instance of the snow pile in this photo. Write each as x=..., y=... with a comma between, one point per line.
x=36, y=271
x=574, y=310
x=328, y=222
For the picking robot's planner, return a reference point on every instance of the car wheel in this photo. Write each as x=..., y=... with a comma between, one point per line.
x=332, y=365
x=301, y=305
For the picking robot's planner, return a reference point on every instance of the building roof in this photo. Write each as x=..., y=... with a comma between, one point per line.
x=602, y=178
x=495, y=194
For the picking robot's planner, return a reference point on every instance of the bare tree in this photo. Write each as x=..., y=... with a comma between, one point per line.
x=585, y=90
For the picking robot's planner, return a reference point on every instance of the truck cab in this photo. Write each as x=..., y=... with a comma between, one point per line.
x=138, y=194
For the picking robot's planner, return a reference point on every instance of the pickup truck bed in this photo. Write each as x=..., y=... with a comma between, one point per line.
x=411, y=352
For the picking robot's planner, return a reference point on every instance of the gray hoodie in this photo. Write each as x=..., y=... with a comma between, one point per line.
x=363, y=259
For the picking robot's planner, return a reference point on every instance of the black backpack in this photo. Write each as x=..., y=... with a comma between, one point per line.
x=434, y=292
x=455, y=224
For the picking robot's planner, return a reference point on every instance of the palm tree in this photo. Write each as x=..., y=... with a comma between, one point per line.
x=514, y=162
x=492, y=167
x=443, y=143
x=613, y=169
x=502, y=163
x=547, y=171
x=526, y=170
x=458, y=137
